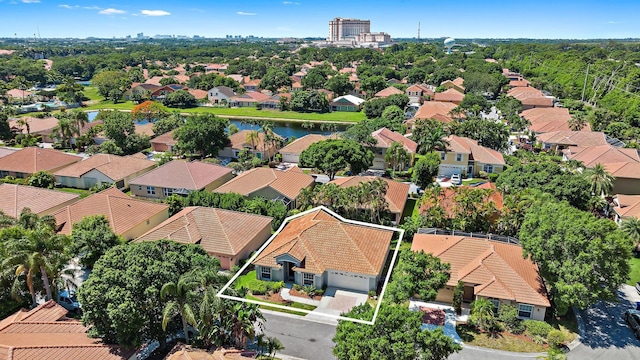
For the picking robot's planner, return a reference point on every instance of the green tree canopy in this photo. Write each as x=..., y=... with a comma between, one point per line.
x=331, y=156
x=202, y=134
x=180, y=99
x=92, y=237
x=488, y=133
x=417, y=273
x=111, y=84
x=425, y=169
x=42, y=179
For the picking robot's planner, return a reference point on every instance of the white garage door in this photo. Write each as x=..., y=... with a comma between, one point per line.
x=348, y=281
x=378, y=164
x=448, y=170
x=290, y=158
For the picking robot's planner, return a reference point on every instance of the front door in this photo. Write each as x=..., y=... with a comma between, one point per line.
x=291, y=275
x=468, y=294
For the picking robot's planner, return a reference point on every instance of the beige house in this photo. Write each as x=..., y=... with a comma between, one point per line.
x=321, y=249
x=103, y=169
x=626, y=206
x=627, y=177
x=489, y=269
x=270, y=184
x=559, y=140
x=241, y=140
x=417, y=93
x=229, y=236
x=437, y=110
x=14, y=198
x=455, y=84
x=384, y=139
x=603, y=154
x=464, y=156
x=27, y=161
x=141, y=90
x=291, y=152
x=128, y=217
x=179, y=177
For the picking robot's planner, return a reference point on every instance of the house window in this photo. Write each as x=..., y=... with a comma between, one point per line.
x=167, y=191
x=140, y=187
x=496, y=305
x=265, y=273
x=458, y=157
x=380, y=151
x=488, y=168
x=236, y=153
x=525, y=311
x=443, y=156
x=307, y=279
x=151, y=190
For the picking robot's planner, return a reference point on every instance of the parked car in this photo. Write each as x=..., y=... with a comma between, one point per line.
x=68, y=300
x=456, y=179
x=633, y=319
x=638, y=287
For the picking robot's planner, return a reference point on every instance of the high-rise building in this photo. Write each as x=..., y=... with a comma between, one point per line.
x=347, y=29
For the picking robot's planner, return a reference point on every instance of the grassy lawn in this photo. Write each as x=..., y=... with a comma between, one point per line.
x=246, y=280
x=289, y=115
x=409, y=208
x=472, y=180
x=567, y=324
x=83, y=193
x=505, y=342
x=634, y=275
x=105, y=104
x=293, y=305
x=92, y=93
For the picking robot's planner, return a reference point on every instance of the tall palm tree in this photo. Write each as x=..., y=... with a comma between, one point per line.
x=64, y=130
x=577, y=121
x=24, y=122
x=483, y=310
x=631, y=227
x=601, y=181
x=397, y=156
x=253, y=137
x=80, y=119
x=433, y=140
x=180, y=292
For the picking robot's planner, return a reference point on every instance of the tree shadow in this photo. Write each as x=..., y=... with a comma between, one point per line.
x=605, y=325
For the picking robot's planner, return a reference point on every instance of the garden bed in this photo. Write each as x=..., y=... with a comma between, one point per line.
x=499, y=340
x=302, y=294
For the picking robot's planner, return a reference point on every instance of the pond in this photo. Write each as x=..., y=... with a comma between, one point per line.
x=285, y=129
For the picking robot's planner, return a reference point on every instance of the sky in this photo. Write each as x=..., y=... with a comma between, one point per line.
x=540, y=19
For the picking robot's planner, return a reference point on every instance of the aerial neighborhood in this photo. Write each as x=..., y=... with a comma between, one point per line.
x=179, y=198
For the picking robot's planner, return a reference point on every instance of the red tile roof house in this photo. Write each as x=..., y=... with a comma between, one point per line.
x=37, y=127
x=489, y=269
x=322, y=249
x=103, y=169
x=396, y=196
x=180, y=177
x=559, y=140
x=270, y=184
x=239, y=141
x=603, y=154
x=162, y=92
x=418, y=93
x=450, y=95
x=391, y=90
x=248, y=99
x=143, y=90
x=229, y=236
x=14, y=198
x=384, y=138
x=164, y=143
x=437, y=110
x=27, y=161
x=127, y=216
x=46, y=333
x=531, y=98
x=544, y=120
x=456, y=84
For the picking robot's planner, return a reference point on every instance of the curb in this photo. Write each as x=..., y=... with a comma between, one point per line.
x=506, y=353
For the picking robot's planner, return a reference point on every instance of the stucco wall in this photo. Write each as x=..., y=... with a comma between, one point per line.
x=147, y=225
x=626, y=186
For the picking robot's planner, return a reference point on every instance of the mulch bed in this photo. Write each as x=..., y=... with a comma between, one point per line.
x=432, y=316
x=303, y=295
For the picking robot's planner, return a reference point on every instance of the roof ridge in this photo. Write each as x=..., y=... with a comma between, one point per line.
x=355, y=244
x=186, y=164
x=224, y=231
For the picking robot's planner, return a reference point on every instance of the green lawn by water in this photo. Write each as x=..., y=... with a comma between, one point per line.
x=634, y=275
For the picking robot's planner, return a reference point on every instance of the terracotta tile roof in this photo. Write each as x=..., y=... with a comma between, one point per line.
x=251, y=96
x=386, y=137
x=519, y=83
x=144, y=129
x=322, y=242
x=463, y=145
x=446, y=199
x=155, y=81
x=450, y=95
x=299, y=145
x=45, y=333
x=4, y=151
x=458, y=82
x=287, y=183
x=549, y=119
x=629, y=170
x=179, y=174
x=123, y=212
x=236, y=77
x=573, y=138
x=604, y=154
x=14, y=198
x=239, y=141
x=36, y=125
x=496, y=269
x=114, y=167
x=420, y=87
x=391, y=90
x=17, y=93
x=530, y=96
x=198, y=94
x=396, y=195
x=33, y=159
x=186, y=352
x=431, y=109
x=218, y=231
x=628, y=206
x=165, y=139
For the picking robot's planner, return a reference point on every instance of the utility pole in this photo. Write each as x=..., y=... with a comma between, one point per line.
x=584, y=87
x=418, y=30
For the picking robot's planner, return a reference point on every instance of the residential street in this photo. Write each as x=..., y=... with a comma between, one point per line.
x=301, y=338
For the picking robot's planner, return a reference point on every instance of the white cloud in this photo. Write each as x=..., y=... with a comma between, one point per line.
x=70, y=7
x=245, y=13
x=92, y=7
x=290, y=3
x=154, y=13
x=111, y=11
x=30, y=1
x=613, y=22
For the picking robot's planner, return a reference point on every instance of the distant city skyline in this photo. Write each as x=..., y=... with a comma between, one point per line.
x=586, y=19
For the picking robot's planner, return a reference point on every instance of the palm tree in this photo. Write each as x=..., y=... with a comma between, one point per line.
x=631, y=227
x=80, y=119
x=269, y=138
x=273, y=345
x=601, y=181
x=397, y=156
x=252, y=137
x=23, y=121
x=577, y=121
x=243, y=319
x=433, y=140
x=483, y=310
x=180, y=292
x=64, y=130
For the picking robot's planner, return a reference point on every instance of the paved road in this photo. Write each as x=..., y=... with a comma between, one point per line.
x=301, y=338
x=606, y=334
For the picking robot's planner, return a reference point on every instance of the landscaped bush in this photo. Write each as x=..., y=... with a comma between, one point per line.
x=493, y=177
x=297, y=287
x=508, y=314
x=276, y=286
x=259, y=288
x=555, y=338
x=537, y=328
x=539, y=340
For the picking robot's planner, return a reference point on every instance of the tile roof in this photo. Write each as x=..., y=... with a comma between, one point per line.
x=629, y=170
x=463, y=145
x=574, y=138
x=420, y=87
x=300, y=144
x=166, y=139
x=218, y=231
x=186, y=352
x=386, y=137
x=391, y=90
x=496, y=269
x=33, y=159
x=531, y=96
x=604, y=154
x=549, y=119
x=179, y=174
x=4, y=151
x=45, y=333
x=113, y=166
x=36, y=125
x=198, y=94
x=431, y=109
x=251, y=96
x=287, y=183
x=123, y=212
x=450, y=95
x=322, y=242
x=14, y=198
x=144, y=129
x=17, y=93
x=627, y=205
x=396, y=195
x=239, y=141
x=224, y=90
